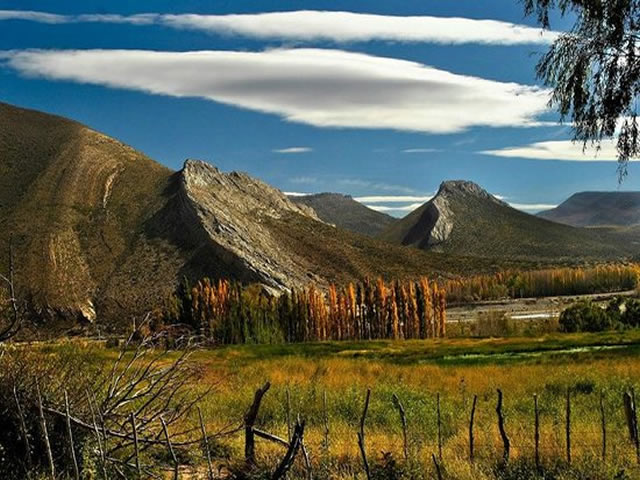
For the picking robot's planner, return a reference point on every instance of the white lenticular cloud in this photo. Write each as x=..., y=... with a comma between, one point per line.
x=313, y=25
x=323, y=88
x=393, y=198
x=421, y=150
x=392, y=208
x=533, y=207
x=31, y=16
x=565, y=150
x=293, y=150
x=297, y=194
x=409, y=207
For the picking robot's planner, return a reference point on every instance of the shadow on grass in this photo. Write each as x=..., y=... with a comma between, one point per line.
x=554, y=348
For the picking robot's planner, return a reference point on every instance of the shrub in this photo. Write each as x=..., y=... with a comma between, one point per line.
x=631, y=313
x=585, y=316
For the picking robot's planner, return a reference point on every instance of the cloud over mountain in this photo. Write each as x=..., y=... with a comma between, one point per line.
x=313, y=25
x=323, y=88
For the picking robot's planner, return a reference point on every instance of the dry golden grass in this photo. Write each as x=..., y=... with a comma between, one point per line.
x=417, y=371
x=346, y=374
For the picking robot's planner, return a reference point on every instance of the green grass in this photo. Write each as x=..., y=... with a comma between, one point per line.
x=457, y=369
x=417, y=372
x=443, y=352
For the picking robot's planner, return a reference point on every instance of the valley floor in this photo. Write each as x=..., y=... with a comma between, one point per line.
x=522, y=313
x=436, y=381
x=590, y=366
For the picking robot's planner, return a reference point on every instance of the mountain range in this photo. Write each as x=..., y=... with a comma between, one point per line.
x=596, y=209
x=345, y=212
x=101, y=231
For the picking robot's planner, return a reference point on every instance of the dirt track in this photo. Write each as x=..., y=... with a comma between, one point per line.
x=524, y=308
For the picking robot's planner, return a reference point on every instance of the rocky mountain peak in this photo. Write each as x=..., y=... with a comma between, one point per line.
x=229, y=212
x=238, y=191
x=465, y=188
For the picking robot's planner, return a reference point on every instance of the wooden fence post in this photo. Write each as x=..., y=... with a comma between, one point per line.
x=568, y=426
x=76, y=470
x=536, y=434
x=437, y=465
x=170, y=447
x=136, y=447
x=23, y=431
x=326, y=422
x=96, y=431
x=249, y=422
x=632, y=421
x=361, y=435
x=635, y=424
x=471, y=439
x=603, y=424
x=503, y=433
x=403, y=420
x=288, y=414
x=205, y=444
x=294, y=445
x=439, y=426
x=45, y=433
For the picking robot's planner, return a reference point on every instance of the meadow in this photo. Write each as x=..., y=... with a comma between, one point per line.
x=326, y=383
x=437, y=382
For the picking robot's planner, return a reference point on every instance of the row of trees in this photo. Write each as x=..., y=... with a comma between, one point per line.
x=228, y=312
x=540, y=283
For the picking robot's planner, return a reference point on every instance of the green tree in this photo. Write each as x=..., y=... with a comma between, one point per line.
x=594, y=70
x=585, y=317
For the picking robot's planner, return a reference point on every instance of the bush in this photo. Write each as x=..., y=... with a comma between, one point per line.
x=630, y=315
x=585, y=316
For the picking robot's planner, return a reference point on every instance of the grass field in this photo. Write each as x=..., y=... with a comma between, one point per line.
x=589, y=365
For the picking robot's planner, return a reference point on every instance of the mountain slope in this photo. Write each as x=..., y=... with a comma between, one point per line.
x=343, y=211
x=590, y=209
x=102, y=232
x=74, y=200
x=464, y=219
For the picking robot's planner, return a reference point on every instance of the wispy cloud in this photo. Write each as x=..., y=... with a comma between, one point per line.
x=391, y=208
x=558, y=150
x=393, y=198
x=533, y=207
x=33, y=16
x=421, y=150
x=293, y=150
x=349, y=183
x=313, y=25
x=303, y=180
x=297, y=194
x=398, y=205
x=324, y=88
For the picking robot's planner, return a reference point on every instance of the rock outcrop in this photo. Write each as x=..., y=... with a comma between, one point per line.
x=433, y=223
x=228, y=211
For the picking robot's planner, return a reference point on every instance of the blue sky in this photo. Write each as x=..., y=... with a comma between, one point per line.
x=381, y=100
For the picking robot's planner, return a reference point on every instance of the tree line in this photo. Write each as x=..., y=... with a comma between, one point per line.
x=542, y=283
x=227, y=312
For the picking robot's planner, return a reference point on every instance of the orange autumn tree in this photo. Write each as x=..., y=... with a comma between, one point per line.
x=546, y=282
x=228, y=312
